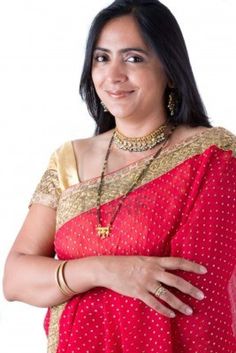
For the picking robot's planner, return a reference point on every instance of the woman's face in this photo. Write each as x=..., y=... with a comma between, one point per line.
x=127, y=74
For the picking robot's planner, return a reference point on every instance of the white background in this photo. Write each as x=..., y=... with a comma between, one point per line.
x=41, y=53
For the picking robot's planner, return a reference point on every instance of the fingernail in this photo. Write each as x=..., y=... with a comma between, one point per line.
x=203, y=269
x=172, y=314
x=200, y=295
x=188, y=311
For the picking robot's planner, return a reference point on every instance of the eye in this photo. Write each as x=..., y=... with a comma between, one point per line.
x=100, y=58
x=135, y=59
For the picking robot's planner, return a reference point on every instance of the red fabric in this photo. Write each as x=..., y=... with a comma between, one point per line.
x=188, y=212
x=47, y=322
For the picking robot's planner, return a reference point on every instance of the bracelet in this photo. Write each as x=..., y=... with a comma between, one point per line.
x=61, y=282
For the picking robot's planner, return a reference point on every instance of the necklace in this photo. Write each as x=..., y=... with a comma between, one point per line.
x=140, y=144
x=104, y=232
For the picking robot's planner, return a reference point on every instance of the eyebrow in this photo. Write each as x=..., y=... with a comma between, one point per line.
x=125, y=50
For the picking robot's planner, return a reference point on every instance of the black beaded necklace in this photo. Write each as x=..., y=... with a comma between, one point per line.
x=104, y=232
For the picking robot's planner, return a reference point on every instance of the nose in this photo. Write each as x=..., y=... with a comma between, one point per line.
x=116, y=72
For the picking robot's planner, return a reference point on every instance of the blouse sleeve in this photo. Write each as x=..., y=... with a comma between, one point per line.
x=48, y=190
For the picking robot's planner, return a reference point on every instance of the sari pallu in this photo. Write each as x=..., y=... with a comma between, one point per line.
x=184, y=207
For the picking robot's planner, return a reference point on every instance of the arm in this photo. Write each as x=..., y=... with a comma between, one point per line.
x=30, y=267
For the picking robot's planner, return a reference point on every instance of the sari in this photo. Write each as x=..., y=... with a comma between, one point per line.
x=183, y=207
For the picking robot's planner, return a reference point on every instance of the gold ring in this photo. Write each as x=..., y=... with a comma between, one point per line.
x=159, y=291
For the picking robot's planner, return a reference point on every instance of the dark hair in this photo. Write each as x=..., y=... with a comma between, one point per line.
x=162, y=33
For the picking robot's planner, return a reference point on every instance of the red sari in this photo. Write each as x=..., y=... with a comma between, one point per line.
x=184, y=207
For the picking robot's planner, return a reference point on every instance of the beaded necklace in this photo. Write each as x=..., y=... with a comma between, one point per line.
x=104, y=231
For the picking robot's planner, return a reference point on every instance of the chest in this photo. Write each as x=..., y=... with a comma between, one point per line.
x=145, y=223
x=92, y=162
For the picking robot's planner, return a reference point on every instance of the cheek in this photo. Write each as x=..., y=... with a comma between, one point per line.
x=96, y=78
x=97, y=82
x=158, y=83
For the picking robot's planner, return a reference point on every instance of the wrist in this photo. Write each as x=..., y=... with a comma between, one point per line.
x=100, y=271
x=82, y=274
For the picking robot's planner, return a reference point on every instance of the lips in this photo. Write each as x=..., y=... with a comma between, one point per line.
x=119, y=94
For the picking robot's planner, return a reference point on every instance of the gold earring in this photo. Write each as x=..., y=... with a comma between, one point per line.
x=172, y=103
x=104, y=107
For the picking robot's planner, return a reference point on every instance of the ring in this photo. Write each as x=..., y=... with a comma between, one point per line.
x=159, y=291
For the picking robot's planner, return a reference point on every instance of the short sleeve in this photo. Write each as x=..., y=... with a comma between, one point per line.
x=48, y=190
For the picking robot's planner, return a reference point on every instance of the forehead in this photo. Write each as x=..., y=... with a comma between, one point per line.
x=121, y=30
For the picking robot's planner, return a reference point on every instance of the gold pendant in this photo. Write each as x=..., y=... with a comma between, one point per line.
x=103, y=232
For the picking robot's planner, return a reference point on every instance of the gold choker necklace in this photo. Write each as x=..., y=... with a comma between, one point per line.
x=140, y=144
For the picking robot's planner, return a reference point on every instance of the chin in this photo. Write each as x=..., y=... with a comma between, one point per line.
x=120, y=113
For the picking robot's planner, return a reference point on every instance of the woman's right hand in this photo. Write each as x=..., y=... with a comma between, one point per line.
x=139, y=276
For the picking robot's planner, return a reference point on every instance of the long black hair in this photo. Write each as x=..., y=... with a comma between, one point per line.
x=162, y=33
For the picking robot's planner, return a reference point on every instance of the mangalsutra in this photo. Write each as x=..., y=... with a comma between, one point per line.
x=104, y=231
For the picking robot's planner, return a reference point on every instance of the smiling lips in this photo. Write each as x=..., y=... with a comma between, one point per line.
x=119, y=94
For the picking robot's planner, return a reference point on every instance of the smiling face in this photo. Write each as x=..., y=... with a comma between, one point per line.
x=127, y=74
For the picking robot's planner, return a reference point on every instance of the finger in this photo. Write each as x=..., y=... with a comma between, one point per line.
x=179, y=283
x=175, y=302
x=154, y=303
x=178, y=263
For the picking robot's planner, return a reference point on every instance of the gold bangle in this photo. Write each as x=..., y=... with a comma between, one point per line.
x=57, y=277
x=65, y=285
x=61, y=282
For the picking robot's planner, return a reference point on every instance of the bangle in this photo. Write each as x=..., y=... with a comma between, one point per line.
x=61, y=282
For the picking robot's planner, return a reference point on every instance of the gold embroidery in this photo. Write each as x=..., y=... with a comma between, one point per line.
x=61, y=173
x=82, y=197
x=47, y=192
x=53, y=334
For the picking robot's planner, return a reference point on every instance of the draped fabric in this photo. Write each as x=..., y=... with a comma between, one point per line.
x=184, y=207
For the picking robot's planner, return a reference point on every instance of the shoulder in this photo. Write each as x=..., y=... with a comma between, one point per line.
x=65, y=150
x=92, y=144
x=94, y=141
x=67, y=158
x=205, y=137
x=221, y=138
x=63, y=162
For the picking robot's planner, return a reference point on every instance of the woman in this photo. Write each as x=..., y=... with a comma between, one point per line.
x=129, y=239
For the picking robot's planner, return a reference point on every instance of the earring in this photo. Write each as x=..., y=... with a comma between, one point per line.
x=172, y=103
x=104, y=107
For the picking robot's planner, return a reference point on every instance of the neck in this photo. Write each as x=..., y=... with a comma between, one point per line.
x=130, y=128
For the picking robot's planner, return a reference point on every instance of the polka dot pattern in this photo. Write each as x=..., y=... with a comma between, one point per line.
x=189, y=212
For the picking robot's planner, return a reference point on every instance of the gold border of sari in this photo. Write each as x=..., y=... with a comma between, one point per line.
x=53, y=333
x=82, y=196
